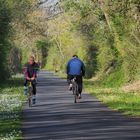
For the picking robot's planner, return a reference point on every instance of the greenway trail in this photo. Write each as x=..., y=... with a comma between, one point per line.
x=56, y=117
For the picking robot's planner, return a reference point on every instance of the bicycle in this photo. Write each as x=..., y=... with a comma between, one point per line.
x=30, y=93
x=75, y=89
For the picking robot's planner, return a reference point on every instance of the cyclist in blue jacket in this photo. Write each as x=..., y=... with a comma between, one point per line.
x=76, y=68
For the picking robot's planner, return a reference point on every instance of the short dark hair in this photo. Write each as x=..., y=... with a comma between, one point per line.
x=75, y=56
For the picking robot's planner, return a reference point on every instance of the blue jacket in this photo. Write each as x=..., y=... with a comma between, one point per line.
x=75, y=67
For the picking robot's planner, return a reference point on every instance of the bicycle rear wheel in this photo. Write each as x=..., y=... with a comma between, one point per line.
x=75, y=98
x=75, y=92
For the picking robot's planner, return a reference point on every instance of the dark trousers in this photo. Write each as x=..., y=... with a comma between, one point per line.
x=79, y=80
x=33, y=85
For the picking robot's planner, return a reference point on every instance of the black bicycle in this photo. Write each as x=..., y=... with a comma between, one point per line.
x=75, y=89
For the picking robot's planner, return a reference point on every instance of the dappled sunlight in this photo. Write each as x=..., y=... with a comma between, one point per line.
x=56, y=116
x=104, y=34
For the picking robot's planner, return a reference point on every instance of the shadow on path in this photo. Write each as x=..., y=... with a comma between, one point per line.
x=56, y=117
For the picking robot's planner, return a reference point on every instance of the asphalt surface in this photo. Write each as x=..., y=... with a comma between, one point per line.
x=57, y=117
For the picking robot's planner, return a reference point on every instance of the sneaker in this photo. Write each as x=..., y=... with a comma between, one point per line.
x=70, y=87
x=79, y=96
x=34, y=99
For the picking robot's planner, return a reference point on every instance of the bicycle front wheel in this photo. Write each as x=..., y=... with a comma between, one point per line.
x=30, y=97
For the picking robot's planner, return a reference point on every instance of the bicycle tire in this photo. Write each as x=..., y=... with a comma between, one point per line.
x=75, y=90
x=30, y=96
x=29, y=100
x=75, y=97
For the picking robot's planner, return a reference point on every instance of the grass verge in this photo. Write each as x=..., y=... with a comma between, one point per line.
x=116, y=99
x=11, y=101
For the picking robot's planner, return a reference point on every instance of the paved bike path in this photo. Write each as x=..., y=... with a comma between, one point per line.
x=56, y=117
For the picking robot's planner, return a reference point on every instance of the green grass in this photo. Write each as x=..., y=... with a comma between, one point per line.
x=114, y=79
x=116, y=99
x=11, y=101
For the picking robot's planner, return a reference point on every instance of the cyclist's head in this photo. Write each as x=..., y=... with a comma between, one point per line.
x=31, y=60
x=75, y=56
